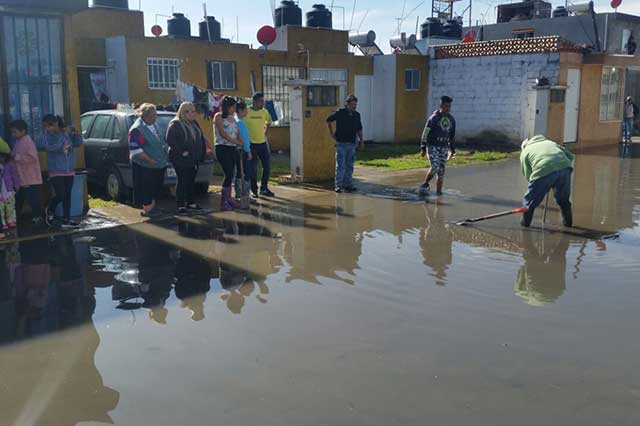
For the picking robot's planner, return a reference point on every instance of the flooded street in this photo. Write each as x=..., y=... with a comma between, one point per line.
x=325, y=309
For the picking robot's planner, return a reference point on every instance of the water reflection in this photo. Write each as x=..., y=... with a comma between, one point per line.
x=436, y=242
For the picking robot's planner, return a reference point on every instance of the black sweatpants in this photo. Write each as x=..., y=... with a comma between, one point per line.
x=62, y=186
x=229, y=159
x=185, y=188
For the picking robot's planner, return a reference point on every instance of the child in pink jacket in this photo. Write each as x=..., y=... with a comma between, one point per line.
x=9, y=184
x=25, y=157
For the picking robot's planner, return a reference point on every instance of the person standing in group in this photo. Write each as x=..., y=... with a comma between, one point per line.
x=438, y=139
x=630, y=114
x=348, y=127
x=60, y=143
x=27, y=162
x=546, y=165
x=241, y=114
x=258, y=121
x=149, y=159
x=187, y=149
x=9, y=185
x=228, y=140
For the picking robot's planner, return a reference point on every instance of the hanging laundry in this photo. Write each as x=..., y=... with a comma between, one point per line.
x=279, y=110
x=184, y=92
x=271, y=109
x=201, y=100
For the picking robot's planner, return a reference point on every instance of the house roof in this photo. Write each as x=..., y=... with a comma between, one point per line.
x=507, y=47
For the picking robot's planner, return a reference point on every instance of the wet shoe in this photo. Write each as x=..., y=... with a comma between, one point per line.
x=69, y=224
x=424, y=189
x=37, y=221
x=182, y=211
x=255, y=195
x=194, y=208
x=567, y=217
x=265, y=192
x=338, y=190
x=527, y=218
x=439, y=193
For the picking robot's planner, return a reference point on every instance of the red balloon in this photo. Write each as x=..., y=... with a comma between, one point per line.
x=156, y=30
x=266, y=35
x=616, y=3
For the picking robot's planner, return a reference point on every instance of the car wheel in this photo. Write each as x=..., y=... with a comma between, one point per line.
x=114, y=185
x=202, y=188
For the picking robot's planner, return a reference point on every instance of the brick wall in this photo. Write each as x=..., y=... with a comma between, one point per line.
x=490, y=93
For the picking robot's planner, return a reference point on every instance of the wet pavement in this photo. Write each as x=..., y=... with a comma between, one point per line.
x=325, y=309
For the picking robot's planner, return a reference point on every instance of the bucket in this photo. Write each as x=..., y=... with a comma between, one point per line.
x=77, y=198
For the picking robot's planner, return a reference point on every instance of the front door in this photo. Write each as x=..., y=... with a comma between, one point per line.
x=363, y=91
x=572, y=106
x=296, y=132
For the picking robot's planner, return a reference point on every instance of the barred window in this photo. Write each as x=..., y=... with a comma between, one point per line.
x=163, y=73
x=273, y=88
x=222, y=75
x=611, y=96
x=412, y=79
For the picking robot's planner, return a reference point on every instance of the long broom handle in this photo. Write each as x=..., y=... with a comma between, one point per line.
x=496, y=215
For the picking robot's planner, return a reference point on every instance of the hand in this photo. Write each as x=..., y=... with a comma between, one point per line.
x=249, y=156
x=185, y=154
x=152, y=162
x=361, y=146
x=451, y=155
x=423, y=153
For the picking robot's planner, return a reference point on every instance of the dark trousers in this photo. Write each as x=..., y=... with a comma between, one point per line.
x=229, y=160
x=559, y=181
x=62, y=186
x=147, y=184
x=260, y=151
x=247, y=167
x=185, y=188
x=32, y=195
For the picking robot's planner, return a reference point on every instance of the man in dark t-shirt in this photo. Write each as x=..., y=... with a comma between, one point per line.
x=348, y=127
x=438, y=141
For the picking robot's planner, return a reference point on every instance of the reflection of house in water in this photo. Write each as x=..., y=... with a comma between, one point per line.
x=52, y=380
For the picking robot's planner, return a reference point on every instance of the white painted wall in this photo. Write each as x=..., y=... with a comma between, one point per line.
x=490, y=93
x=117, y=69
x=383, y=99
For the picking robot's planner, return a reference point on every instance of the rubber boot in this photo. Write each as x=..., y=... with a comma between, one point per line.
x=527, y=218
x=567, y=216
x=235, y=204
x=237, y=185
x=225, y=205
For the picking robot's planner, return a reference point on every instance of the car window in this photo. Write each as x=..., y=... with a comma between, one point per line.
x=100, y=126
x=85, y=124
x=115, y=131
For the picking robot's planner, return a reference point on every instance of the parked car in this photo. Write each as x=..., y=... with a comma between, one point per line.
x=107, y=152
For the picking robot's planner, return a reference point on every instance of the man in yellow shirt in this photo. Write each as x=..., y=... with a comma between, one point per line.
x=258, y=121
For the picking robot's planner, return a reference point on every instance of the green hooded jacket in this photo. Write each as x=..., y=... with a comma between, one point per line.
x=540, y=157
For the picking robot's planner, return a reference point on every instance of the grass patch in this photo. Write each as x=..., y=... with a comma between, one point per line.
x=95, y=203
x=407, y=157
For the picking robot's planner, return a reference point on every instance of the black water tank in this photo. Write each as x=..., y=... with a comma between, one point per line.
x=452, y=29
x=288, y=14
x=118, y=4
x=560, y=12
x=179, y=26
x=212, y=32
x=319, y=17
x=432, y=27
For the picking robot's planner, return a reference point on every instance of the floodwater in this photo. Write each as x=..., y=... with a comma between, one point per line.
x=370, y=309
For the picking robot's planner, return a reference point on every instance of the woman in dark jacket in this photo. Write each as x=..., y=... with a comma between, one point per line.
x=187, y=149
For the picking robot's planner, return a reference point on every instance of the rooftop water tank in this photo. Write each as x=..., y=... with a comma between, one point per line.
x=288, y=14
x=452, y=29
x=117, y=4
x=319, y=17
x=209, y=29
x=560, y=12
x=432, y=27
x=179, y=26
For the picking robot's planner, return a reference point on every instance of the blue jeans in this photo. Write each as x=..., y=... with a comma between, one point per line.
x=627, y=128
x=260, y=151
x=345, y=156
x=559, y=181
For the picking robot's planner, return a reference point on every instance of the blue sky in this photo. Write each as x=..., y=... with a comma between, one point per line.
x=378, y=15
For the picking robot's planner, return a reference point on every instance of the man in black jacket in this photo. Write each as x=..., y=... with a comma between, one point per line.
x=348, y=127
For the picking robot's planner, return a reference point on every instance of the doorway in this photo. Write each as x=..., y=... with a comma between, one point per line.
x=572, y=106
x=363, y=91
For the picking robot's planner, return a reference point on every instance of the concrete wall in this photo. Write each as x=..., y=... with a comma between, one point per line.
x=384, y=95
x=118, y=71
x=411, y=105
x=100, y=23
x=490, y=93
x=578, y=29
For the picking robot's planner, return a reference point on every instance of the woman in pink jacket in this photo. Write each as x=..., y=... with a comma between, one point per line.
x=25, y=156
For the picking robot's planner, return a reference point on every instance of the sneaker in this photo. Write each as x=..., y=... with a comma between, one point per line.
x=338, y=190
x=69, y=224
x=439, y=192
x=254, y=195
x=424, y=189
x=527, y=218
x=567, y=217
x=195, y=207
x=182, y=211
x=37, y=221
x=265, y=192
x=351, y=189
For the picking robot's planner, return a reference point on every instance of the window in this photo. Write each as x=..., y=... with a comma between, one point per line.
x=611, y=94
x=411, y=79
x=163, y=73
x=338, y=75
x=321, y=96
x=222, y=75
x=115, y=131
x=100, y=126
x=85, y=124
x=557, y=96
x=522, y=34
x=273, y=88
